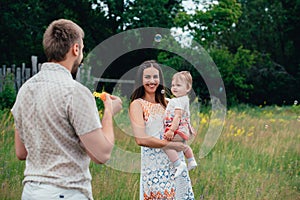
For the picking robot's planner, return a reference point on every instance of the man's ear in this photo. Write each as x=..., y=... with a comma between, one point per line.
x=75, y=49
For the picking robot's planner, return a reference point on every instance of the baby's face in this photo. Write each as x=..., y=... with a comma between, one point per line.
x=179, y=87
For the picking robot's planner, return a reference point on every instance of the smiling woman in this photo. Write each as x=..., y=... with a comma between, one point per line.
x=146, y=111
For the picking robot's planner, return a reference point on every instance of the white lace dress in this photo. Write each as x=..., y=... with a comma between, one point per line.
x=157, y=172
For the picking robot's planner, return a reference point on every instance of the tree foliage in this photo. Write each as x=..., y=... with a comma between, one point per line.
x=253, y=43
x=271, y=27
x=24, y=22
x=145, y=13
x=8, y=92
x=213, y=22
x=254, y=46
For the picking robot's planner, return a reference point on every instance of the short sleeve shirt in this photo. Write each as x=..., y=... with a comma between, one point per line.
x=181, y=103
x=51, y=111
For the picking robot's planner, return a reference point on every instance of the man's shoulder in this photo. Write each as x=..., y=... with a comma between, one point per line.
x=81, y=89
x=80, y=86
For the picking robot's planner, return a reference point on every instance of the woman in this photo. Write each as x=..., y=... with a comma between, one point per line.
x=146, y=111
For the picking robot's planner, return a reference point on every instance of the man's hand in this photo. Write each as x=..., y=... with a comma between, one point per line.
x=116, y=104
x=111, y=102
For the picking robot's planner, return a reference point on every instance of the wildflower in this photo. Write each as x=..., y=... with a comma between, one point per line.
x=101, y=95
x=282, y=120
x=266, y=126
x=250, y=134
x=203, y=121
x=295, y=102
x=240, y=132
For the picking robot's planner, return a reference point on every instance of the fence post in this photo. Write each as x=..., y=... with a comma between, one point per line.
x=34, y=64
x=18, y=79
x=4, y=70
x=27, y=74
x=13, y=69
x=23, y=73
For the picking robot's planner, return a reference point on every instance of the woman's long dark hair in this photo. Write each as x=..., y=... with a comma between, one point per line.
x=139, y=90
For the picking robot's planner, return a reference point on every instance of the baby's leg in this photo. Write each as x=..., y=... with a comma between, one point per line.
x=178, y=164
x=172, y=154
x=189, y=152
x=190, y=158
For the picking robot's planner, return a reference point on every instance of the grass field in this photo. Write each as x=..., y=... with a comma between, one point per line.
x=256, y=157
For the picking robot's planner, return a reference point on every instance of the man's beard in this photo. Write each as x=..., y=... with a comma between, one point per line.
x=75, y=69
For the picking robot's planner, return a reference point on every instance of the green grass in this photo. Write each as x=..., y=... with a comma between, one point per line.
x=256, y=157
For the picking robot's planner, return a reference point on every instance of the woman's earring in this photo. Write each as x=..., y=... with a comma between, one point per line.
x=162, y=91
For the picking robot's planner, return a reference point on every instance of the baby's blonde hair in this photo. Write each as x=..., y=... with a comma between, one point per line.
x=185, y=76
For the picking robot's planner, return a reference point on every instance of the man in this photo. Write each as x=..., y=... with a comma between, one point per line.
x=57, y=125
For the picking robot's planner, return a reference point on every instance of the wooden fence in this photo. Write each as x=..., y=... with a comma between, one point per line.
x=22, y=73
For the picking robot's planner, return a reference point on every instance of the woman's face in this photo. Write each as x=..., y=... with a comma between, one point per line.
x=150, y=79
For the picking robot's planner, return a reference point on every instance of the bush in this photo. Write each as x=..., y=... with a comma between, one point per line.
x=8, y=93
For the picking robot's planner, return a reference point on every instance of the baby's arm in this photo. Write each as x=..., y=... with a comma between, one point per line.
x=174, y=126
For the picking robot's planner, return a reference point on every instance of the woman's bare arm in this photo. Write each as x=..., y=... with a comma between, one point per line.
x=141, y=138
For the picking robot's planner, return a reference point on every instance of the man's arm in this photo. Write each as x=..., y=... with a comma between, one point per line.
x=21, y=151
x=100, y=142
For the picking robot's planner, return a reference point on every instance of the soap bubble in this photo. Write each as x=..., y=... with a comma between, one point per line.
x=220, y=89
x=157, y=38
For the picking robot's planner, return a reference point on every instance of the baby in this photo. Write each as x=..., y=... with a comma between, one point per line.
x=177, y=120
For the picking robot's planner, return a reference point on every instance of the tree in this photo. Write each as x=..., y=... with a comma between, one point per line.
x=140, y=14
x=145, y=13
x=271, y=27
x=210, y=24
x=24, y=22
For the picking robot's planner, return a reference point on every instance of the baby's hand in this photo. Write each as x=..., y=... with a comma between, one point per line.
x=169, y=135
